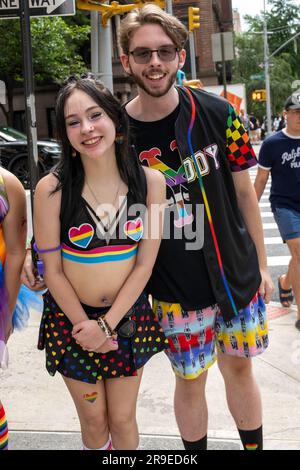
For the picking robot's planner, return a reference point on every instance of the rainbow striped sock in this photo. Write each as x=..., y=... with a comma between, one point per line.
x=3, y=430
x=252, y=440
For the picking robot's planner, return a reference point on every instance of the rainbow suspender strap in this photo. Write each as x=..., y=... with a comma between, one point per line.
x=206, y=204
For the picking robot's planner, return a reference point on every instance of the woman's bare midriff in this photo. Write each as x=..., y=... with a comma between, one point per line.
x=98, y=285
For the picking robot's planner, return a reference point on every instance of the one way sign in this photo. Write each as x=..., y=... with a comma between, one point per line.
x=10, y=8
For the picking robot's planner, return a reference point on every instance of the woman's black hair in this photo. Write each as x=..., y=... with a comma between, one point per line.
x=70, y=171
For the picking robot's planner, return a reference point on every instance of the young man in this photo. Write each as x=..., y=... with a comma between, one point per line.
x=280, y=155
x=211, y=296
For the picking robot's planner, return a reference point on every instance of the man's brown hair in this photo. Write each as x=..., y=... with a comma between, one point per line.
x=151, y=14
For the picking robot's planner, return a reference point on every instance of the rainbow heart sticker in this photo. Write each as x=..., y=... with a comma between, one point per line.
x=81, y=236
x=90, y=397
x=134, y=229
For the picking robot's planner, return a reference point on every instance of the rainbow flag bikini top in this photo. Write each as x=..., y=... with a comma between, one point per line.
x=89, y=241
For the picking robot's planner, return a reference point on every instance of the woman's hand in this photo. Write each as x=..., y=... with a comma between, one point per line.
x=28, y=275
x=111, y=344
x=89, y=335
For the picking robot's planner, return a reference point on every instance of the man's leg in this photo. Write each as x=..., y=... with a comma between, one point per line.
x=239, y=339
x=243, y=398
x=293, y=275
x=191, y=351
x=191, y=409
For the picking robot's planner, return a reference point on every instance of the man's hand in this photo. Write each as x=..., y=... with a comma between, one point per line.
x=266, y=287
x=28, y=276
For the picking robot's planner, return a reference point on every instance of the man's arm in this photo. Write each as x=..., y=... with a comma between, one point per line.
x=248, y=205
x=261, y=181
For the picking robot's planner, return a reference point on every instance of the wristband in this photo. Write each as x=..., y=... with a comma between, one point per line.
x=49, y=250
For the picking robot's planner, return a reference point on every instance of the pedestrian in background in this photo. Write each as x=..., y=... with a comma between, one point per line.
x=98, y=238
x=280, y=157
x=209, y=298
x=254, y=129
x=245, y=120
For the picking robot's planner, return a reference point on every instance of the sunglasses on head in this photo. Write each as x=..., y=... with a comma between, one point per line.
x=142, y=55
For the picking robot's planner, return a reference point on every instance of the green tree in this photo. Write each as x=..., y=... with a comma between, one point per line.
x=283, y=21
x=55, y=51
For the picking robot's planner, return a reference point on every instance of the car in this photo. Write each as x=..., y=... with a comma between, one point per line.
x=14, y=154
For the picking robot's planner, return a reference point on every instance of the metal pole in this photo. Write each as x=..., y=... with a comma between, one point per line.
x=94, y=41
x=192, y=55
x=267, y=74
x=105, y=55
x=223, y=65
x=169, y=7
x=29, y=96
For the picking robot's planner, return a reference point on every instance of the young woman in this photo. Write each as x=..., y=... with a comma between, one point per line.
x=90, y=215
x=12, y=253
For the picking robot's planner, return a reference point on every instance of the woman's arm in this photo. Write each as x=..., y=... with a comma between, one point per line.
x=147, y=252
x=14, y=230
x=47, y=235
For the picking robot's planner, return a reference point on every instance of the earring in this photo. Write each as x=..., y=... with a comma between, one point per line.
x=120, y=135
x=73, y=153
x=119, y=138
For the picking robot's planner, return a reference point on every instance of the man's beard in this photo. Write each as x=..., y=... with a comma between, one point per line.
x=154, y=93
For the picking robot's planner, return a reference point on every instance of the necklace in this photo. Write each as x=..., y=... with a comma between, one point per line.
x=105, y=213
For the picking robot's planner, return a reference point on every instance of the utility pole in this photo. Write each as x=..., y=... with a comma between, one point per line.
x=95, y=20
x=267, y=74
x=105, y=53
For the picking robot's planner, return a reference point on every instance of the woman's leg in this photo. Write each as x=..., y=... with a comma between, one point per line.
x=122, y=396
x=90, y=402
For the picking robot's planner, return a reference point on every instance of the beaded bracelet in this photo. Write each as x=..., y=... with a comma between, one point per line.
x=105, y=327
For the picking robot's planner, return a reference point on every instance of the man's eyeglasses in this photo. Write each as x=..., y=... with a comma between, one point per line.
x=142, y=55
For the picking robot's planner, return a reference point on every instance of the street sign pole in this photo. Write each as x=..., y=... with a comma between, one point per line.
x=29, y=96
x=223, y=65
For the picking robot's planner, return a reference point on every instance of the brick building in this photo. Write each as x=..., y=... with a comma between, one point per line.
x=215, y=16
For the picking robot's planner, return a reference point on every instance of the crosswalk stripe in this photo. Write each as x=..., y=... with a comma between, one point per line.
x=267, y=214
x=269, y=226
x=273, y=241
x=264, y=204
x=278, y=260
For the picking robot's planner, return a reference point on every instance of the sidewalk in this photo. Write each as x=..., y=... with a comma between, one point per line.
x=42, y=416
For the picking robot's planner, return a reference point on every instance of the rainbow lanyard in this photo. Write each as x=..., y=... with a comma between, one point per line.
x=206, y=205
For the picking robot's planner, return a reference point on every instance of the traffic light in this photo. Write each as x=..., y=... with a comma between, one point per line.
x=194, y=18
x=259, y=95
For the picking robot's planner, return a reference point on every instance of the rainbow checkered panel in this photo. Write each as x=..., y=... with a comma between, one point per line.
x=240, y=153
